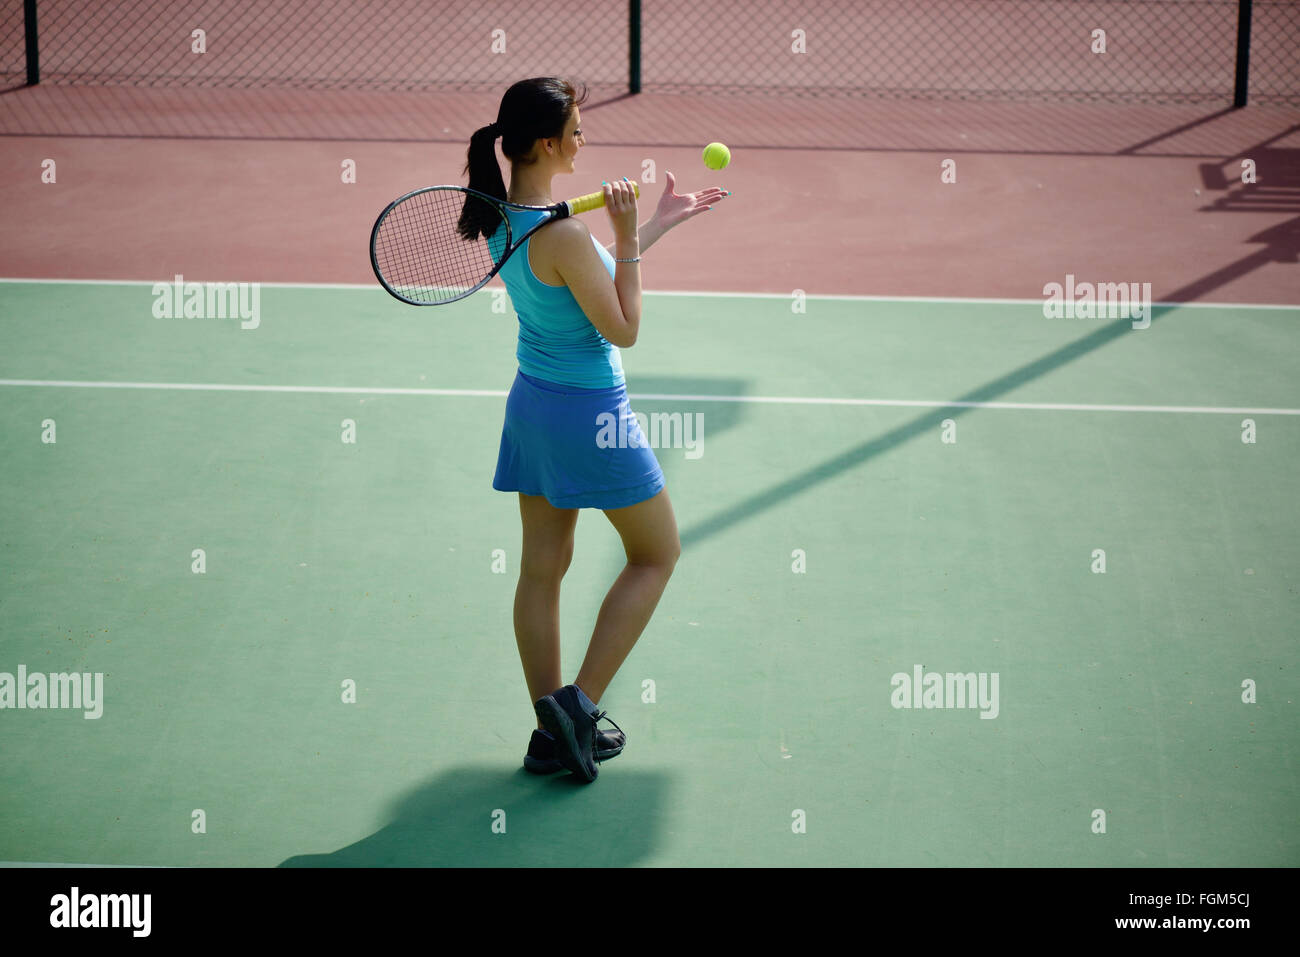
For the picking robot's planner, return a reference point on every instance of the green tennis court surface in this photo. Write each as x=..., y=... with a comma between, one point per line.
x=773, y=736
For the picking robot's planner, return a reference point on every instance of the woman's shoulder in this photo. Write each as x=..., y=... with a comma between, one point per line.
x=553, y=243
x=564, y=229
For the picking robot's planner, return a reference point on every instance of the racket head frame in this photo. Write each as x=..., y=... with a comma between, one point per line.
x=556, y=211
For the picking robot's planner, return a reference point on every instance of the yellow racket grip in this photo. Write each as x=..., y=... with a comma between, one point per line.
x=592, y=201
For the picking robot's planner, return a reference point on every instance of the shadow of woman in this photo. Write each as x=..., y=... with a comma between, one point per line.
x=483, y=817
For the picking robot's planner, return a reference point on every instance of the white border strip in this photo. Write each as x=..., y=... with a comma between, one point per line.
x=374, y=287
x=755, y=399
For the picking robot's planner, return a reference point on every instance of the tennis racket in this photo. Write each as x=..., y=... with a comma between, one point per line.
x=441, y=243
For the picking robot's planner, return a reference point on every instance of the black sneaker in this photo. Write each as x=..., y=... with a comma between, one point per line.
x=574, y=731
x=541, y=757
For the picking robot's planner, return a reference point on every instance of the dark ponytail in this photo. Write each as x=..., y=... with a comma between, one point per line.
x=532, y=109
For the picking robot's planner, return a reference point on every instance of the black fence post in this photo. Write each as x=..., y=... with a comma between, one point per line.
x=33, y=51
x=634, y=46
x=1243, y=54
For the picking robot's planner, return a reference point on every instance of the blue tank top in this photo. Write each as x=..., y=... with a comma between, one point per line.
x=557, y=342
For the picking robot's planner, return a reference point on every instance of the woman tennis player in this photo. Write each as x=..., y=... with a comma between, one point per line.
x=577, y=303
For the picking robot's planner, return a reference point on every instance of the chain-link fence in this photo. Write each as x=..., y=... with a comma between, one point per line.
x=954, y=49
x=13, y=52
x=1065, y=50
x=1275, y=53
x=322, y=44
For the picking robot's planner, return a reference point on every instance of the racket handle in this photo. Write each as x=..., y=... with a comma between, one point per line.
x=592, y=201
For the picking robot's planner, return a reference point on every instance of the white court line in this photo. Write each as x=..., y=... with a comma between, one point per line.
x=673, y=397
x=373, y=287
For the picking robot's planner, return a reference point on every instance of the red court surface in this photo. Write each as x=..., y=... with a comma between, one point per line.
x=200, y=182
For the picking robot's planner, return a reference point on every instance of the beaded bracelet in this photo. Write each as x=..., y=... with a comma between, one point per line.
x=637, y=260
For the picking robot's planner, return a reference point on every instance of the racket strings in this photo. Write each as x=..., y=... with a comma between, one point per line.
x=420, y=250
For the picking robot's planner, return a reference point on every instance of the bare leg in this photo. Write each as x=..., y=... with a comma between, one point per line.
x=547, y=551
x=649, y=533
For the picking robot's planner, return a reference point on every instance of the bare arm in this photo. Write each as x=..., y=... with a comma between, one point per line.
x=648, y=233
x=613, y=307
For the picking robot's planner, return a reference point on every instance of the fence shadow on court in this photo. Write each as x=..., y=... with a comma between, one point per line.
x=1278, y=190
x=664, y=394
x=548, y=821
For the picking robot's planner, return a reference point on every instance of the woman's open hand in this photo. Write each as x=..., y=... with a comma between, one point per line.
x=675, y=208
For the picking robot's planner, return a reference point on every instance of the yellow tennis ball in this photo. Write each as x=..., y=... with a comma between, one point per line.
x=716, y=156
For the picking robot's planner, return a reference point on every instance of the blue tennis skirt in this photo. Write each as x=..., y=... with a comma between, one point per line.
x=581, y=448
